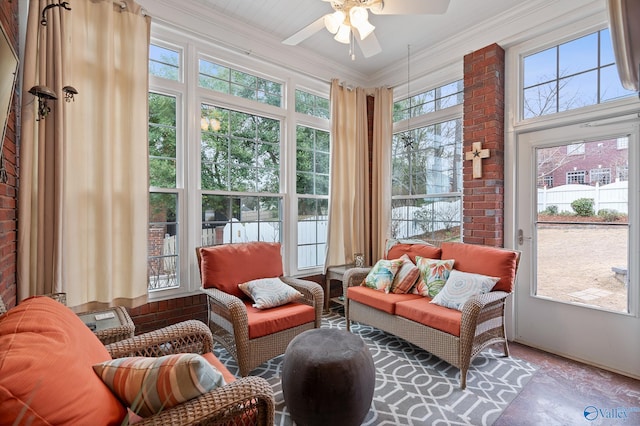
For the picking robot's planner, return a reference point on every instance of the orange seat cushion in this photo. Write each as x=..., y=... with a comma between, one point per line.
x=432, y=315
x=224, y=267
x=263, y=322
x=413, y=250
x=213, y=360
x=378, y=299
x=484, y=260
x=46, y=374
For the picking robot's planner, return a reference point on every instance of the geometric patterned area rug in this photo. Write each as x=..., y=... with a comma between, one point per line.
x=414, y=387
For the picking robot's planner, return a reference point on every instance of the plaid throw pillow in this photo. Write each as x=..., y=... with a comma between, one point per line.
x=150, y=385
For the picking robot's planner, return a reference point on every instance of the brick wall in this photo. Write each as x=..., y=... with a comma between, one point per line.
x=160, y=314
x=483, y=121
x=8, y=190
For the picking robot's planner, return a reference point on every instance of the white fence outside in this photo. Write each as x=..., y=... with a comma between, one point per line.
x=613, y=196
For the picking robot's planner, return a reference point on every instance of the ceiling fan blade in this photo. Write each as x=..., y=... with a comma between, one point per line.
x=413, y=7
x=369, y=45
x=305, y=33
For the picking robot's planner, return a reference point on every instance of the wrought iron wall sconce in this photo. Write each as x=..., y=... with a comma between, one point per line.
x=44, y=93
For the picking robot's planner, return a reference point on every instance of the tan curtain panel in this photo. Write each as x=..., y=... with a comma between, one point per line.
x=381, y=172
x=84, y=186
x=346, y=233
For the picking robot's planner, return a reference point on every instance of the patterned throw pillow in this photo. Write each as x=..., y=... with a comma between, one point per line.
x=150, y=385
x=462, y=286
x=381, y=275
x=269, y=292
x=433, y=273
x=405, y=278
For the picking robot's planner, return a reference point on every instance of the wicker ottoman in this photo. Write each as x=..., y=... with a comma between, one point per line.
x=328, y=378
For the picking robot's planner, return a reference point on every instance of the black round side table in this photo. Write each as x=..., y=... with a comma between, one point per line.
x=328, y=378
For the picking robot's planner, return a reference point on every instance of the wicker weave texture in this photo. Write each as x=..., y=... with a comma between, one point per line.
x=229, y=324
x=247, y=401
x=482, y=325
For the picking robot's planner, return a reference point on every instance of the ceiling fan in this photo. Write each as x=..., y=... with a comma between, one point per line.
x=350, y=20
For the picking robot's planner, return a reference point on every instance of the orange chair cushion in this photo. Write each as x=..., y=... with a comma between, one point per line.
x=435, y=316
x=413, y=250
x=213, y=360
x=263, y=322
x=46, y=374
x=378, y=299
x=224, y=267
x=485, y=260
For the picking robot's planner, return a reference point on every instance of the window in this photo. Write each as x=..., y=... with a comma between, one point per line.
x=164, y=62
x=218, y=142
x=312, y=187
x=622, y=173
x=163, y=198
x=545, y=181
x=575, y=149
x=600, y=176
x=310, y=104
x=427, y=182
x=622, y=143
x=430, y=101
x=240, y=157
x=227, y=80
x=571, y=75
x=575, y=177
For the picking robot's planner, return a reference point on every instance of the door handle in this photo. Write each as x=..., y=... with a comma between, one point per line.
x=521, y=237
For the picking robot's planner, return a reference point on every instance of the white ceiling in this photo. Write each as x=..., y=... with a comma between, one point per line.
x=260, y=26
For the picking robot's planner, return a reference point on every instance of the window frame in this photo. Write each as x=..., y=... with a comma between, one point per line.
x=189, y=98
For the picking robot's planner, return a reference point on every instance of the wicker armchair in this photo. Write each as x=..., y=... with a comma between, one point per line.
x=245, y=401
x=229, y=319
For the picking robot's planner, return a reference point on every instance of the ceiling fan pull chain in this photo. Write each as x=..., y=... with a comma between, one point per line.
x=352, y=50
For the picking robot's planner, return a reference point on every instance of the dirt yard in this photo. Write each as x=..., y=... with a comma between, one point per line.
x=575, y=261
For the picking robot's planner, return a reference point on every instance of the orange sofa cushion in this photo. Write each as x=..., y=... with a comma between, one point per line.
x=46, y=358
x=378, y=299
x=226, y=266
x=263, y=322
x=434, y=316
x=413, y=250
x=485, y=260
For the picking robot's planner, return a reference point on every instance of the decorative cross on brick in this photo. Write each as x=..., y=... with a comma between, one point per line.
x=476, y=155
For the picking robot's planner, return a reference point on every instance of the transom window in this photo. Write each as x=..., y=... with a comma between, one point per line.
x=310, y=104
x=430, y=101
x=571, y=75
x=164, y=62
x=227, y=80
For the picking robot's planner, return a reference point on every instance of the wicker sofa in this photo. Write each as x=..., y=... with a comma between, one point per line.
x=452, y=335
x=46, y=374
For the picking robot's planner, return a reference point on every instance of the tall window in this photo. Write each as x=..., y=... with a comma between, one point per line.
x=163, y=198
x=571, y=75
x=239, y=177
x=427, y=167
x=312, y=179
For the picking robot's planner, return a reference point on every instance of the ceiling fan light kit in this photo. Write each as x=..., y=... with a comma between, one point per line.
x=350, y=21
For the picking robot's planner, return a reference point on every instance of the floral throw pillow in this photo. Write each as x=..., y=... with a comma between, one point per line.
x=462, y=286
x=434, y=274
x=381, y=275
x=405, y=278
x=269, y=292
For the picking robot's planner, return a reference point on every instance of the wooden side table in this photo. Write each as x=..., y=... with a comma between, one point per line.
x=334, y=273
x=110, y=325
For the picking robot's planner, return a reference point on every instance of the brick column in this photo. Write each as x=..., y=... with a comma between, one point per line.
x=483, y=200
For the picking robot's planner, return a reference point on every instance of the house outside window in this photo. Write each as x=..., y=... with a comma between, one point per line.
x=576, y=177
x=427, y=167
x=601, y=176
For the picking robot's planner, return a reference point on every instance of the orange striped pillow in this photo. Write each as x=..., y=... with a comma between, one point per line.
x=150, y=385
